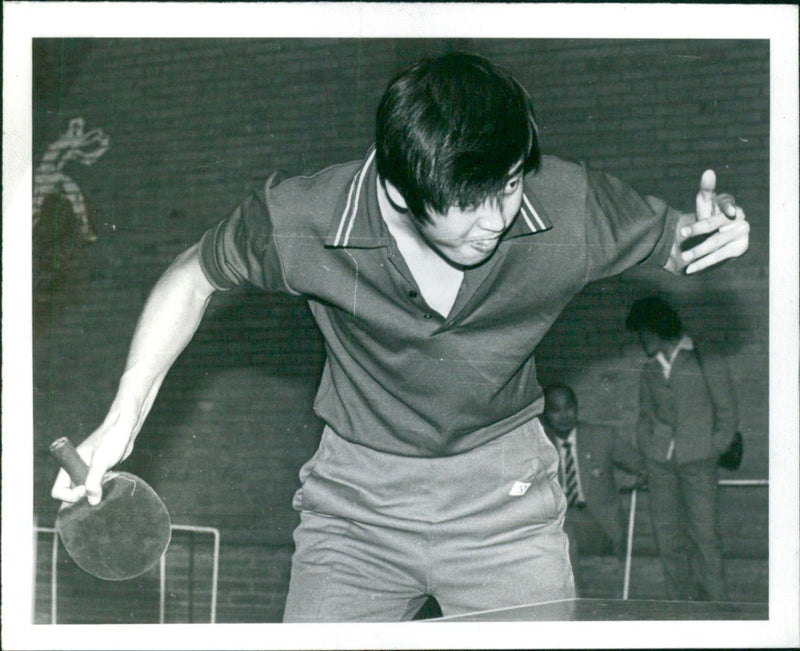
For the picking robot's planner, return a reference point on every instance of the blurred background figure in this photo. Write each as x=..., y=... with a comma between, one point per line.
x=588, y=455
x=687, y=417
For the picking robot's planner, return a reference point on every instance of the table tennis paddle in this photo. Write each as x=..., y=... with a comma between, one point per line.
x=121, y=537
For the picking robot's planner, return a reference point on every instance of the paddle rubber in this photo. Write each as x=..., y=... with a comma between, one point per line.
x=121, y=537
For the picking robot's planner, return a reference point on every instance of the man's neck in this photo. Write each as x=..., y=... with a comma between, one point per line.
x=396, y=218
x=669, y=346
x=559, y=435
x=438, y=280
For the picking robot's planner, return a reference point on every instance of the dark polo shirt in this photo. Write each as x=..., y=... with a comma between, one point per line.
x=399, y=377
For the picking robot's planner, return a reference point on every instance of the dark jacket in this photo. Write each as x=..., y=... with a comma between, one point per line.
x=696, y=407
x=600, y=450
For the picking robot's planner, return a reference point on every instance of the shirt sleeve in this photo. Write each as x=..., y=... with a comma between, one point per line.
x=242, y=249
x=723, y=398
x=624, y=228
x=625, y=456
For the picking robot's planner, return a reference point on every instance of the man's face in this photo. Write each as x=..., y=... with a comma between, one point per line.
x=560, y=413
x=470, y=236
x=650, y=341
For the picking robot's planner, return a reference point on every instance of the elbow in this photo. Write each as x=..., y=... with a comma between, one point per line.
x=188, y=267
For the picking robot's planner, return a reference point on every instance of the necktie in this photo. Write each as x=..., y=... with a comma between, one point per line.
x=570, y=475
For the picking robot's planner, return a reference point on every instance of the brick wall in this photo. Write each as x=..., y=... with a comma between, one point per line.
x=193, y=123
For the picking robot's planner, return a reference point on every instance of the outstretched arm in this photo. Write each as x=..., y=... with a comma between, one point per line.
x=170, y=317
x=721, y=219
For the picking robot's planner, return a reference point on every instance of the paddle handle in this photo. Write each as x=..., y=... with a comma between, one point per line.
x=69, y=459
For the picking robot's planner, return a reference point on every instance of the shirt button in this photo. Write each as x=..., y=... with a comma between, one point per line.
x=428, y=315
x=412, y=294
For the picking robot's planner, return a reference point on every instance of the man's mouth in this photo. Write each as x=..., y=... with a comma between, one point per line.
x=485, y=245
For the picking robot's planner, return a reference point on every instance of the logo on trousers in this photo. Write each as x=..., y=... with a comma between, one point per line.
x=519, y=488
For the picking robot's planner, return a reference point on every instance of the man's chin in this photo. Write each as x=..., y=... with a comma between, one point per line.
x=469, y=260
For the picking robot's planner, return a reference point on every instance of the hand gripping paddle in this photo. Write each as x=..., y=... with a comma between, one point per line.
x=121, y=537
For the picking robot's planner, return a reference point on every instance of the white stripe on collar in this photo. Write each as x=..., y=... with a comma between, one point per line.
x=540, y=225
x=348, y=217
x=347, y=220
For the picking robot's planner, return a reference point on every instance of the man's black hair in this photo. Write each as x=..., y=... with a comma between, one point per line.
x=449, y=129
x=655, y=315
x=560, y=387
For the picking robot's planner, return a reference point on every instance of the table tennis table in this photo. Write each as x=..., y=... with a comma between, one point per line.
x=617, y=610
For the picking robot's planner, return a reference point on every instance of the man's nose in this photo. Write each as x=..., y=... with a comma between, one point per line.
x=491, y=217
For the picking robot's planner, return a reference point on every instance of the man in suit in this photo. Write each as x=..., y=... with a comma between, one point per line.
x=588, y=455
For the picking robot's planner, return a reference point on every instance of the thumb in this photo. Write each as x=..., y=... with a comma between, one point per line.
x=94, y=483
x=704, y=203
x=727, y=205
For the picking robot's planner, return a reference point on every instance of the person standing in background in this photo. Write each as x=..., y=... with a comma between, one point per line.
x=687, y=417
x=588, y=455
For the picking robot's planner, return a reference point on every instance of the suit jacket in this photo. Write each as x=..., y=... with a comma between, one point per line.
x=600, y=450
x=696, y=407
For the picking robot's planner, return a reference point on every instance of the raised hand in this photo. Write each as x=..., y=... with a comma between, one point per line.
x=717, y=216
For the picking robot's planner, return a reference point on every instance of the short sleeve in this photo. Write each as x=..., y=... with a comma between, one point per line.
x=624, y=228
x=242, y=249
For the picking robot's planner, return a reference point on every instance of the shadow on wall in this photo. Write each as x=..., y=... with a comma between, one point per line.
x=273, y=331
x=266, y=339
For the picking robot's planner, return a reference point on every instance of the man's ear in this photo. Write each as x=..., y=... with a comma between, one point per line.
x=394, y=196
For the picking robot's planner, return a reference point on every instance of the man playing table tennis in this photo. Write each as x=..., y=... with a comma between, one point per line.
x=433, y=268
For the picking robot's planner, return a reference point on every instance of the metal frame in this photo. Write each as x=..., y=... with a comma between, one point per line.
x=162, y=571
x=632, y=520
x=214, y=572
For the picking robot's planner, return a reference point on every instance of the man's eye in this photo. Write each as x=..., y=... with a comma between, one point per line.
x=512, y=185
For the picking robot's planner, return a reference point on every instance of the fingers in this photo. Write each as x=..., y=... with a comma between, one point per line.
x=708, y=183
x=105, y=456
x=92, y=490
x=730, y=241
x=708, y=204
x=704, y=226
x=719, y=219
x=94, y=482
x=704, y=203
x=728, y=251
x=64, y=490
x=727, y=205
x=100, y=451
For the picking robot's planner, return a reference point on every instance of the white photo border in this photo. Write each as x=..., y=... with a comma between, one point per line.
x=24, y=21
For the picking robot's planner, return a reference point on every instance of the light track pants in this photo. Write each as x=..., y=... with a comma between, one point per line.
x=380, y=532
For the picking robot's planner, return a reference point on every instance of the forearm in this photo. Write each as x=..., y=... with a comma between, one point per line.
x=169, y=319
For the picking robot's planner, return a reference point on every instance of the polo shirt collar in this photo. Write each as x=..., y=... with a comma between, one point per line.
x=685, y=343
x=358, y=223
x=357, y=220
x=531, y=218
